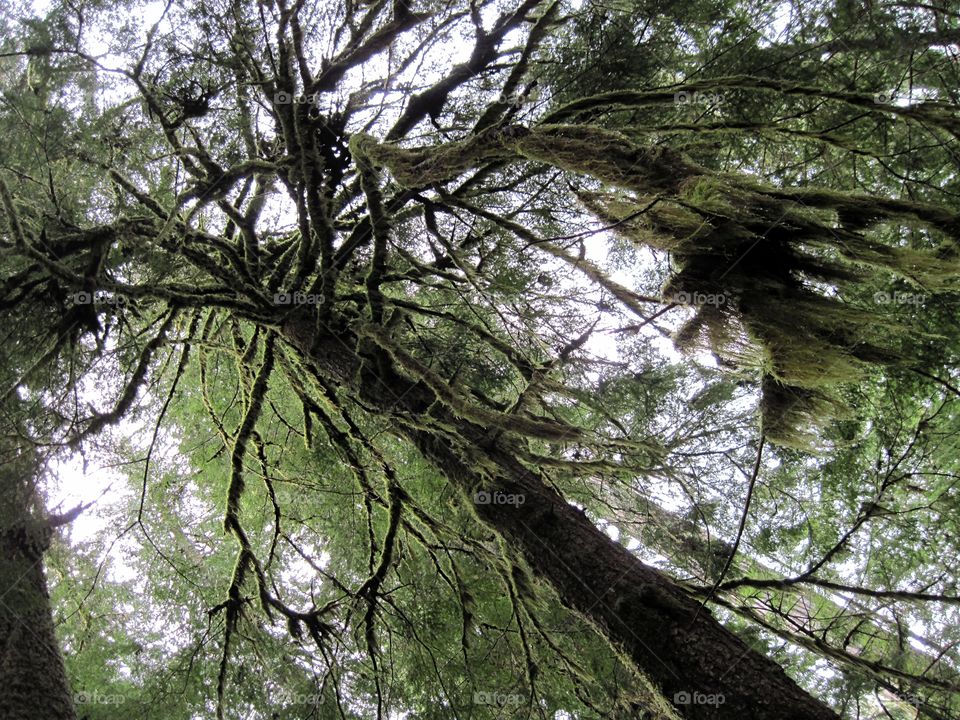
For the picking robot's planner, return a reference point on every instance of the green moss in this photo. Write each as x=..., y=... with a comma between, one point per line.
x=767, y=252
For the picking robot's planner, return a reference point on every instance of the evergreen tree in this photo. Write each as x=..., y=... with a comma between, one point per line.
x=317, y=277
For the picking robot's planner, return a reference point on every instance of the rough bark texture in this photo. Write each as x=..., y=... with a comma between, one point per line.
x=33, y=681
x=679, y=646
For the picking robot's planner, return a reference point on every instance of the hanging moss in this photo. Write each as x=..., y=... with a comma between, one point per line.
x=668, y=226
x=751, y=259
x=419, y=167
x=755, y=254
x=789, y=415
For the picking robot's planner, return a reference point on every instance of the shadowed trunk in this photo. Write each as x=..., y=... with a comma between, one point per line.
x=706, y=670
x=33, y=682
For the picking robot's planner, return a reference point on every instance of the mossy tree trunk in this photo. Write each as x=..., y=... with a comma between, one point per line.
x=700, y=666
x=33, y=681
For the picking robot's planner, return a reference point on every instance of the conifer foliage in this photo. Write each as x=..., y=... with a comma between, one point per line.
x=509, y=358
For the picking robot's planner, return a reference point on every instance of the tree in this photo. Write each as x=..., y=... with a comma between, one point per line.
x=35, y=683
x=248, y=227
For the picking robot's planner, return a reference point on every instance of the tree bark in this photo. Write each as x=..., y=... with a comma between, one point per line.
x=700, y=666
x=33, y=680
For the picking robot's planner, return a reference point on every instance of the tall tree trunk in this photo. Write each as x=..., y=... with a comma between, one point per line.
x=33, y=681
x=703, y=668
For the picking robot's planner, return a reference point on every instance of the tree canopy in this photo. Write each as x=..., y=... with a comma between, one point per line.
x=508, y=358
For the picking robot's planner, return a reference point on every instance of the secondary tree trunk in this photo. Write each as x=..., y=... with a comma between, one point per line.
x=33, y=681
x=704, y=669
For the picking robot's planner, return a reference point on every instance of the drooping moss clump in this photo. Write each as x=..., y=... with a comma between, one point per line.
x=766, y=275
x=766, y=269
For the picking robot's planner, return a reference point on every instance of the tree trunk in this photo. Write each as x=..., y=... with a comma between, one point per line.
x=700, y=666
x=33, y=681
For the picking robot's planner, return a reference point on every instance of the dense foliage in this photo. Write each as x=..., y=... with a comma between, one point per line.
x=307, y=280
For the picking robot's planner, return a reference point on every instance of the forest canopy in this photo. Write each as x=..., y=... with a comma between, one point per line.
x=493, y=359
